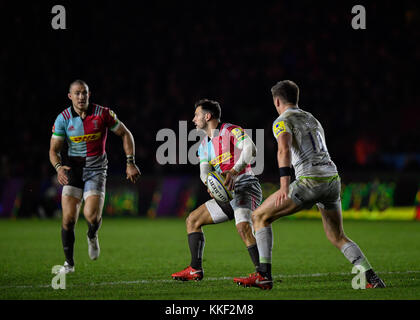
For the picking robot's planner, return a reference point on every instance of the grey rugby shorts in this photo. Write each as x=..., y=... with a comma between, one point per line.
x=322, y=191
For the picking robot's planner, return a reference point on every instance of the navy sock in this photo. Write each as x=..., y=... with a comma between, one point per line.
x=67, y=238
x=93, y=228
x=253, y=253
x=196, y=243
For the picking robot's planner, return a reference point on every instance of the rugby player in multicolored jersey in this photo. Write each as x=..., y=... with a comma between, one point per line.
x=84, y=127
x=228, y=150
x=301, y=143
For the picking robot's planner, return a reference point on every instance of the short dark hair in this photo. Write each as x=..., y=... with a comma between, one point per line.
x=287, y=91
x=81, y=82
x=211, y=106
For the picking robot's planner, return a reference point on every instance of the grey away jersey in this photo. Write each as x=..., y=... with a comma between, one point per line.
x=310, y=157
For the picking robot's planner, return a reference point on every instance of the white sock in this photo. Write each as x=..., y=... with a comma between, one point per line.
x=264, y=238
x=353, y=253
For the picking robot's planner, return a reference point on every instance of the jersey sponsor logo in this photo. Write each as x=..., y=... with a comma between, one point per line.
x=222, y=158
x=238, y=133
x=278, y=128
x=86, y=137
x=71, y=128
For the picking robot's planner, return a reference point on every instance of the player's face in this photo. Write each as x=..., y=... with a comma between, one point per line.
x=200, y=118
x=79, y=94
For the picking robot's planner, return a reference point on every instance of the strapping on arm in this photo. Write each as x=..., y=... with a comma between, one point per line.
x=249, y=152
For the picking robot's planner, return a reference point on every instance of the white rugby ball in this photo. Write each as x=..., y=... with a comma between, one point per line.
x=215, y=185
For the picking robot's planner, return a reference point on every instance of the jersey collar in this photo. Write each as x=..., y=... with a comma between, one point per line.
x=89, y=111
x=218, y=128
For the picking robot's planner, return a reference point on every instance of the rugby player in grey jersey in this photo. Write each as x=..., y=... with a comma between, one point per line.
x=301, y=144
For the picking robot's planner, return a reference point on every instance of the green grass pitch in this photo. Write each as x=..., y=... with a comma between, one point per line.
x=139, y=255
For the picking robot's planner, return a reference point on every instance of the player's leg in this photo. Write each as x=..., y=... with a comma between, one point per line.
x=94, y=196
x=248, y=196
x=333, y=226
x=196, y=241
x=262, y=218
x=332, y=220
x=71, y=203
x=93, y=214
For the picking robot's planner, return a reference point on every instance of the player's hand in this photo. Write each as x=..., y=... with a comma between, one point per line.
x=230, y=177
x=282, y=195
x=210, y=193
x=133, y=172
x=62, y=175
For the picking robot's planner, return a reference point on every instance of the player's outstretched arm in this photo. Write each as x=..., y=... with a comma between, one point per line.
x=132, y=171
x=55, y=158
x=284, y=142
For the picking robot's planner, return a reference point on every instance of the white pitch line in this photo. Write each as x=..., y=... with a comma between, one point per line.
x=113, y=283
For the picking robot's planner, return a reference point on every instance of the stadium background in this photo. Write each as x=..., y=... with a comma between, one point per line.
x=151, y=61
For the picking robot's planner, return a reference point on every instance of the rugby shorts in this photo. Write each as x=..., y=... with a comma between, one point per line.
x=322, y=191
x=247, y=197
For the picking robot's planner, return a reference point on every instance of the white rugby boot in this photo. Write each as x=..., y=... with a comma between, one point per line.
x=66, y=268
x=94, y=248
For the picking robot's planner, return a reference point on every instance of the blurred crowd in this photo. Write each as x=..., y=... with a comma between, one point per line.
x=150, y=62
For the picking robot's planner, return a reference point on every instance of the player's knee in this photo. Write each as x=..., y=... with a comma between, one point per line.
x=193, y=221
x=92, y=215
x=68, y=223
x=258, y=217
x=244, y=230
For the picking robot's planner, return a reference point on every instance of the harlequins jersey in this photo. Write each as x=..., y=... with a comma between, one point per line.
x=86, y=137
x=221, y=151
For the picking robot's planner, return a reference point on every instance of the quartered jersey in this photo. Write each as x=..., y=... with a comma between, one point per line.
x=221, y=152
x=86, y=138
x=310, y=157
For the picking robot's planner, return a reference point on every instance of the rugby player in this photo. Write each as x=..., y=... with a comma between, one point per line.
x=228, y=150
x=84, y=127
x=301, y=143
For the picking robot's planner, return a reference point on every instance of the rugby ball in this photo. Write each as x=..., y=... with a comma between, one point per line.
x=215, y=185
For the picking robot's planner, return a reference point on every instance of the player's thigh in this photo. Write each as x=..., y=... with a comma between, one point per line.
x=330, y=208
x=269, y=212
x=248, y=196
x=199, y=217
x=72, y=195
x=94, y=193
x=70, y=207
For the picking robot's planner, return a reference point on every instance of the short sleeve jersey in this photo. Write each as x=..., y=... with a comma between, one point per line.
x=222, y=151
x=86, y=138
x=310, y=157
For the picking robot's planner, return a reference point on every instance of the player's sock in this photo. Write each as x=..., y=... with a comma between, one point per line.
x=196, y=243
x=93, y=228
x=67, y=238
x=265, y=270
x=253, y=253
x=353, y=253
x=264, y=238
